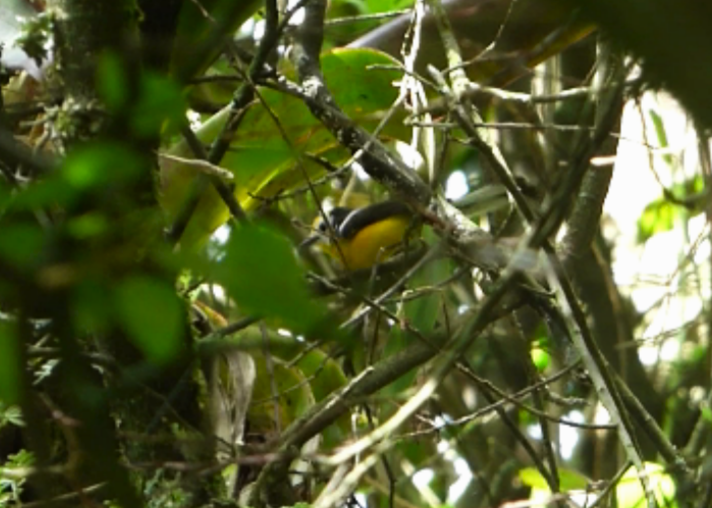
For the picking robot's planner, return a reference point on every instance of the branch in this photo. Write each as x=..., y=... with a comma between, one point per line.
x=378, y=162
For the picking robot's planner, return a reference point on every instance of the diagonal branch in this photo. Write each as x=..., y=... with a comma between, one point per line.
x=376, y=159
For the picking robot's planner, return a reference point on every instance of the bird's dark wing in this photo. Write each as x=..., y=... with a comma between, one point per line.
x=362, y=217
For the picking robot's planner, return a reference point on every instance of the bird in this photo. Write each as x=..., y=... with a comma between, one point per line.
x=360, y=238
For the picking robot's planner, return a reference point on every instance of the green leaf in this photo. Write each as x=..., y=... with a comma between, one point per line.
x=375, y=6
x=540, y=494
x=160, y=100
x=543, y=347
x=20, y=460
x=112, y=82
x=422, y=310
x=398, y=340
x=661, y=134
x=23, y=458
x=22, y=245
x=540, y=358
x=691, y=190
x=568, y=479
x=152, y=315
x=52, y=191
x=10, y=364
x=572, y=480
x=100, y=164
x=87, y=225
x=706, y=412
x=91, y=307
x=262, y=274
x=630, y=494
x=658, y=216
x=35, y=37
x=531, y=477
x=10, y=415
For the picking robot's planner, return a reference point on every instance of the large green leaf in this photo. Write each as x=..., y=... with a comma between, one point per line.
x=152, y=316
x=101, y=166
x=262, y=162
x=22, y=246
x=262, y=275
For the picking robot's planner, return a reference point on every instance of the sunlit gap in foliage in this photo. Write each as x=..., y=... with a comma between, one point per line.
x=194, y=119
x=361, y=499
x=422, y=478
x=215, y=291
x=569, y=436
x=534, y=431
x=298, y=16
x=409, y=155
x=456, y=185
x=653, y=352
x=359, y=172
x=464, y=477
x=665, y=294
x=660, y=248
x=601, y=417
x=284, y=332
x=258, y=29
x=218, y=241
x=222, y=234
x=462, y=470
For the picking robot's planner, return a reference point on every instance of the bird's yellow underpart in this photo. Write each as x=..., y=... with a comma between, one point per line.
x=373, y=244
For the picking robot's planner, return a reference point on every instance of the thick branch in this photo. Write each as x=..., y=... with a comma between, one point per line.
x=378, y=162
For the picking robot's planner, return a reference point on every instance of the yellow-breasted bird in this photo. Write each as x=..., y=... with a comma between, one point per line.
x=359, y=238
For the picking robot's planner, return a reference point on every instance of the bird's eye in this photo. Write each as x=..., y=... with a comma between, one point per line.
x=323, y=226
